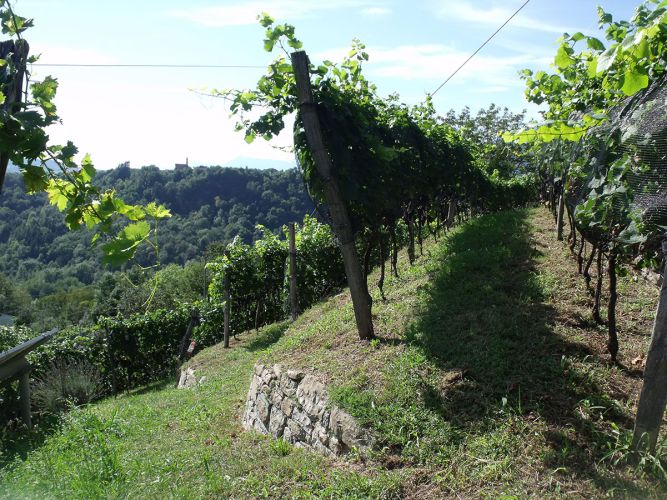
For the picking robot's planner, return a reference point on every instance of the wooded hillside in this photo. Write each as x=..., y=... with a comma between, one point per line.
x=210, y=204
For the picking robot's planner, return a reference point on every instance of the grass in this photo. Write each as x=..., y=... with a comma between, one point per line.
x=488, y=378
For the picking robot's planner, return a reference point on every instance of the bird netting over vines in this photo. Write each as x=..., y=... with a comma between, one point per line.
x=617, y=176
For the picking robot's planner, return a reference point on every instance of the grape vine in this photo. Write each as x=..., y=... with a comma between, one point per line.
x=583, y=155
x=391, y=162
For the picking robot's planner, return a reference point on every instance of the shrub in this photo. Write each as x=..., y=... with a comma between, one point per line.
x=65, y=383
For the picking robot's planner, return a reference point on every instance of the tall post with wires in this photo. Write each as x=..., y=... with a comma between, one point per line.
x=14, y=53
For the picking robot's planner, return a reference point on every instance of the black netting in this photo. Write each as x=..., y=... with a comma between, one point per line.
x=322, y=210
x=631, y=143
x=642, y=126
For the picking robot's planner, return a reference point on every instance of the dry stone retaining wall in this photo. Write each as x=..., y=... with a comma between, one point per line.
x=294, y=406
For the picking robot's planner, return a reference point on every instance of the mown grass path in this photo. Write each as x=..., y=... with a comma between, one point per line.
x=487, y=378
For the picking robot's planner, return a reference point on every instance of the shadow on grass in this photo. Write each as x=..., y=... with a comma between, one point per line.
x=156, y=386
x=17, y=441
x=268, y=336
x=487, y=324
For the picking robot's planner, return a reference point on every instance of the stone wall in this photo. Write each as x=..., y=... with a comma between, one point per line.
x=293, y=405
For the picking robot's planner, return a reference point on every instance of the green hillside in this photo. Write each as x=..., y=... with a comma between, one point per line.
x=487, y=379
x=210, y=205
x=50, y=276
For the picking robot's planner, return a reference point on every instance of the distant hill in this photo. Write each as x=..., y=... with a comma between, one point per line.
x=11, y=168
x=244, y=161
x=209, y=204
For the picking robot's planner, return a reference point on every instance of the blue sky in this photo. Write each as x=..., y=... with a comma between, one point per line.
x=152, y=116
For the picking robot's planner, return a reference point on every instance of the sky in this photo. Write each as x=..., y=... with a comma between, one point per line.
x=151, y=116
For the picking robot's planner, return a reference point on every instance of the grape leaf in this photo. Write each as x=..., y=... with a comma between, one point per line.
x=634, y=80
x=121, y=248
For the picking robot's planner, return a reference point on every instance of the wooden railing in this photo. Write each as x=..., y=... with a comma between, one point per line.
x=14, y=365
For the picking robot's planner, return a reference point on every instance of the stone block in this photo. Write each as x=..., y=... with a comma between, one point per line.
x=277, y=370
x=347, y=430
x=268, y=376
x=276, y=397
x=297, y=432
x=301, y=444
x=287, y=435
x=277, y=422
x=286, y=406
x=188, y=379
x=254, y=387
x=259, y=427
x=337, y=447
x=249, y=411
x=311, y=394
x=302, y=418
x=295, y=374
x=263, y=409
x=320, y=448
x=320, y=434
x=287, y=385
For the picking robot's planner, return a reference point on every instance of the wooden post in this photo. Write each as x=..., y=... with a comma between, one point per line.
x=226, y=308
x=612, y=341
x=293, y=293
x=653, y=398
x=451, y=213
x=598, y=289
x=13, y=90
x=559, y=221
x=341, y=224
x=257, y=308
x=111, y=362
x=411, y=239
x=24, y=397
x=185, y=341
x=206, y=298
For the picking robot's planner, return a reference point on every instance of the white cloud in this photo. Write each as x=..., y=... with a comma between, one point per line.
x=435, y=62
x=495, y=16
x=246, y=12
x=376, y=11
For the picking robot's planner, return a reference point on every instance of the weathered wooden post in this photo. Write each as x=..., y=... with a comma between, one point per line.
x=17, y=52
x=225, y=285
x=206, y=297
x=293, y=292
x=451, y=213
x=341, y=225
x=653, y=398
x=411, y=238
x=185, y=341
x=24, y=396
x=559, y=221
